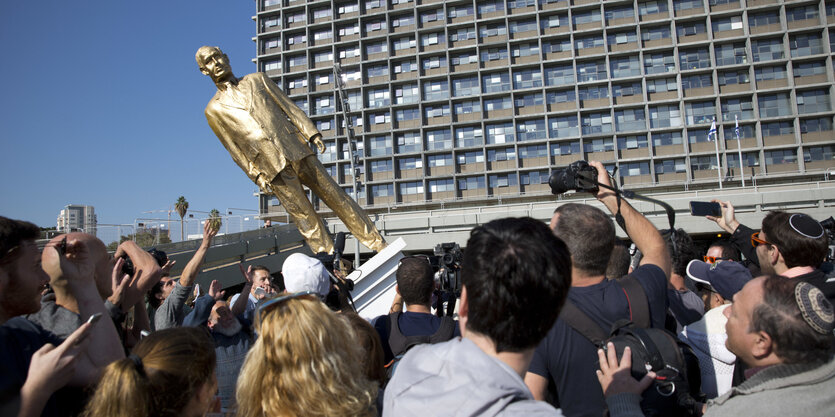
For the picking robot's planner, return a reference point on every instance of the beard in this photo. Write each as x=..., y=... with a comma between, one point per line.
x=230, y=330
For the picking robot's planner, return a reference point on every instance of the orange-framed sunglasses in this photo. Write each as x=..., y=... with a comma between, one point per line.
x=713, y=259
x=756, y=241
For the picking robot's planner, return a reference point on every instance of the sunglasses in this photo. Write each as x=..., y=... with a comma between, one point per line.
x=424, y=258
x=266, y=306
x=756, y=241
x=713, y=259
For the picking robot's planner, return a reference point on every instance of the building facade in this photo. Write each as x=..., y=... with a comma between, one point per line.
x=468, y=102
x=76, y=217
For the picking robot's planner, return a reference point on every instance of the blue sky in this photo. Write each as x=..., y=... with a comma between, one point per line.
x=102, y=104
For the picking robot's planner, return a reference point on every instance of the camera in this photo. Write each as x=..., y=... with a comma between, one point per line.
x=579, y=176
x=449, y=258
x=159, y=256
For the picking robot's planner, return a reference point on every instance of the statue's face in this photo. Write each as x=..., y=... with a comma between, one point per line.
x=216, y=65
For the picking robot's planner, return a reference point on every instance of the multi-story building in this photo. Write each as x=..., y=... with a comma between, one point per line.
x=76, y=217
x=468, y=102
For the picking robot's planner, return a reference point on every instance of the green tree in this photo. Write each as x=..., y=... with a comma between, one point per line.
x=182, y=207
x=145, y=238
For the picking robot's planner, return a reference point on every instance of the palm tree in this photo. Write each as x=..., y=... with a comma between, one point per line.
x=182, y=207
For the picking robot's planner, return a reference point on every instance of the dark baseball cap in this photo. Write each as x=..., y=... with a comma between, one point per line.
x=726, y=277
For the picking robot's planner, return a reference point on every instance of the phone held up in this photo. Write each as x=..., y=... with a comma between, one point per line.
x=702, y=208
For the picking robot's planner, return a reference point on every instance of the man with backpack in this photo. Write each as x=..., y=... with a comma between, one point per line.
x=566, y=359
x=417, y=325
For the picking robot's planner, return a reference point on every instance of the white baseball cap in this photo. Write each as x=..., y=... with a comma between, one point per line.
x=303, y=273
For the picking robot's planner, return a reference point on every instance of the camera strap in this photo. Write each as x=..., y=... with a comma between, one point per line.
x=618, y=217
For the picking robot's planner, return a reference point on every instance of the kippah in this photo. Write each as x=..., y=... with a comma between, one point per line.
x=814, y=307
x=806, y=226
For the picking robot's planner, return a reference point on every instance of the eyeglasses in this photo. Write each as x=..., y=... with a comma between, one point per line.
x=756, y=241
x=263, y=308
x=713, y=259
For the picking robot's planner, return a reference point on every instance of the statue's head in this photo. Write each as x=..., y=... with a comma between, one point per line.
x=214, y=63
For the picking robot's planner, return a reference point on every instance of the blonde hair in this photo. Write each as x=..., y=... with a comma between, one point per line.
x=172, y=366
x=304, y=363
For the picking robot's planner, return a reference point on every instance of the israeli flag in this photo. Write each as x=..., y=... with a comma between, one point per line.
x=736, y=130
x=712, y=131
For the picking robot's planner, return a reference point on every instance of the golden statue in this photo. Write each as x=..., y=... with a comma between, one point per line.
x=267, y=136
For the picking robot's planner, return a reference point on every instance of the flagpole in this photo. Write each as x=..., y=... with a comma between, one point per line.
x=739, y=149
x=713, y=132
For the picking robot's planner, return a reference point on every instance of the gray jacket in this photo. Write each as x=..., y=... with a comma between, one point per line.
x=456, y=378
x=173, y=310
x=781, y=390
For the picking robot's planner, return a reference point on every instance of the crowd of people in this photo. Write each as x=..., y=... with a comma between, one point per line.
x=550, y=321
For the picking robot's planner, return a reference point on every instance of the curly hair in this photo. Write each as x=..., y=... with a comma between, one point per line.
x=304, y=363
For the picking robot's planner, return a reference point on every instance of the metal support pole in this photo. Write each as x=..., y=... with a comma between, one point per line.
x=355, y=157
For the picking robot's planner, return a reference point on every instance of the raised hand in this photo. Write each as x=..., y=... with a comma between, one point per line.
x=119, y=282
x=728, y=220
x=215, y=290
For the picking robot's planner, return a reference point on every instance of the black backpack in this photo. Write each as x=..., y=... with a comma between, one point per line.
x=400, y=344
x=677, y=387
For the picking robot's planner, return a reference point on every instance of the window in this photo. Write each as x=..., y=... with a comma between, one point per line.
x=465, y=58
x=632, y=142
x=809, y=69
x=349, y=52
x=629, y=66
x=270, y=22
x=664, y=116
x=497, y=82
x=764, y=19
x=438, y=139
x=323, y=105
x=528, y=78
x=515, y=4
x=404, y=164
x=440, y=186
x=406, y=94
x=733, y=77
x=584, y=17
x=494, y=54
x=700, y=112
x=740, y=106
x=404, y=43
x=594, y=123
x=690, y=28
x=533, y=177
x=703, y=163
x=404, y=115
x=666, y=139
x=473, y=157
x=439, y=160
x=295, y=18
x=533, y=151
x=460, y=11
x=813, y=101
x=553, y=21
x=490, y=6
x=770, y=73
x=323, y=35
x=778, y=128
x=503, y=154
x=409, y=142
x=348, y=8
x=471, y=183
x=623, y=12
x=565, y=96
x=467, y=86
x=694, y=58
x=780, y=156
x=631, y=169
x=376, y=48
x=490, y=30
x=598, y=145
x=523, y=26
x=502, y=180
x=805, y=44
x=594, y=92
x=767, y=49
x=469, y=136
x=275, y=65
x=411, y=188
x=462, y=34
x=652, y=7
x=630, y=120
x=745, y=131
x=670, y=166
x=374, y=26
x=439, y=110
x=588, y=42
x=271, y=43
x=821, y=124
x=500, y=133
x=534, y=99
x=696, y=81
x=428, y=16
x=819, y=153
x=623, y=90
x=381, y=70
x=380, y=146
x=405, y=66
x=379, y=118
x=436, y=90
x=323, y=125
x=402, y=20
x=749, y=159
x=348, y=30
x=433, y=62
x=681, y=5
x=655, y=33
x=774, y=105
x=559, y=75
x=323, y=57
x=591, y=71
x=721, y=24
x=662, y=85
x=429, y=39
x=531, y=130
x=379, y=97
x=384, y=165
x=564, y=127
x=730, y=54
x=659, y=63
x=296, y=38
x=524, y=49
x=796, y=14
x=295, y=61
x=382, y=190
x=621, y=38
x=466, y=107
x=565, y=148
x=330, y=152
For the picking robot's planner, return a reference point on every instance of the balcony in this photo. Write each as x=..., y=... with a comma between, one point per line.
x=778, y=140
x=667, y=150
x=813, y=137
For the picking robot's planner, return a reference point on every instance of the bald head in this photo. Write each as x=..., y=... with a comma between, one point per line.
x=204, y=52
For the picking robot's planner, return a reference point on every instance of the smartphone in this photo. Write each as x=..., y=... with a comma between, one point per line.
x=94, y=318
x=260, y=292
x=702, y=208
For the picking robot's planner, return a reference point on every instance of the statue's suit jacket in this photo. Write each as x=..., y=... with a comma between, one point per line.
x=260, y=126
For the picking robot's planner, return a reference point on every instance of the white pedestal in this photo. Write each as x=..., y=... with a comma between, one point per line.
x=374, y=281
